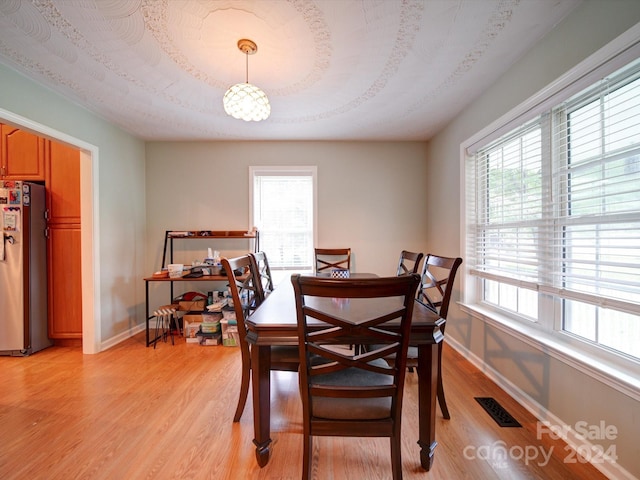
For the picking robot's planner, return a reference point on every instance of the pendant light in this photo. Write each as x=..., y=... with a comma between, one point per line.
x=245, y=101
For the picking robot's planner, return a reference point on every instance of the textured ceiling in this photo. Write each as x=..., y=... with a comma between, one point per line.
x=332, y=69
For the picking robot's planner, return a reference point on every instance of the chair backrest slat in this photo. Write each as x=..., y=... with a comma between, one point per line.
x=263, y=272
x=409, y=262
x=436, y=284
x=329, y=258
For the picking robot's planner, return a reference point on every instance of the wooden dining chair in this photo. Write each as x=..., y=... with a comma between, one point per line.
x=409, y=262
x=348, y=394
x=436, y=285
x=246, y=298
x=261, y=266
x=329, y=258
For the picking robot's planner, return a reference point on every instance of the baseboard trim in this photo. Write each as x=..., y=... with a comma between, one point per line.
x=121, y=337
x=607, y=467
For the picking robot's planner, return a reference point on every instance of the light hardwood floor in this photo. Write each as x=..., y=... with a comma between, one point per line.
x=137, y=413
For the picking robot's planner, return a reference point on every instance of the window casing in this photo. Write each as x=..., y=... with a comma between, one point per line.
x=553, y=218
x=283, y=207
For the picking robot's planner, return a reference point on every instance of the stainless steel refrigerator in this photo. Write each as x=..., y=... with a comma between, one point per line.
x=23, y=268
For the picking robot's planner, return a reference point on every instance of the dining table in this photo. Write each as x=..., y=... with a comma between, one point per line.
x=274, y=323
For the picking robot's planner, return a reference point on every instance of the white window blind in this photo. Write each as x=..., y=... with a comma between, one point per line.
x=598, y=202
x=283, y=211
x=555, y=210
x=509, y=210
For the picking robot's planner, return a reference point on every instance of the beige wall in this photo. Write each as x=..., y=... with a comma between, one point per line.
x=371, y=196
x=553, y=387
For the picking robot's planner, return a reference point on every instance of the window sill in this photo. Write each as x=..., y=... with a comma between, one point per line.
x=623, y=378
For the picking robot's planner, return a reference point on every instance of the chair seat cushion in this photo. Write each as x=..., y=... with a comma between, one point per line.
x=412, y=354
x=352, y=408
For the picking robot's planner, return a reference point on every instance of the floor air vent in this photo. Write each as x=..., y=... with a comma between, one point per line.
x=497, y=412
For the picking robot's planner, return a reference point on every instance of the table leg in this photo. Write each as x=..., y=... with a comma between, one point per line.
x=146, y=287
x=261, y=381
x=427, y=387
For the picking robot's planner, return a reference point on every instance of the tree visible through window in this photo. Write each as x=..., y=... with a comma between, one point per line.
x=554, y=217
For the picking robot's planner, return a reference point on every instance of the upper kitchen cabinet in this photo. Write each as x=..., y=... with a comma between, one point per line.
x=22, y=154
x=63, y=184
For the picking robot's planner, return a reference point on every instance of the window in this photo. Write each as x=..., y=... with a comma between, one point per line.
x=509, y=217
x=553, y=218
x=283, y=209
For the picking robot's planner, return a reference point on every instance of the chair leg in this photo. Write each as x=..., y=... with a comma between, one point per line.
x=165, y=333
x=169, y=327
x=155, y=336
x=396, y=457
x=307, y=452
x=160, y=325
x=244, y=388
x=440, y=390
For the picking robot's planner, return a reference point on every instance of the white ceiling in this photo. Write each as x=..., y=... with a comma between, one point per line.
x=332, y=69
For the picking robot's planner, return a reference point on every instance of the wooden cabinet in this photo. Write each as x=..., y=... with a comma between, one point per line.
x=63, y=184
x=63, y=245
x=22, y=154
x=64, y=285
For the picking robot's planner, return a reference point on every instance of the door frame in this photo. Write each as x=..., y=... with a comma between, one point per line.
x=89, y=218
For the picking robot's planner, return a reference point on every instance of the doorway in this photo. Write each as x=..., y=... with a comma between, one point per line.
x=89, y=219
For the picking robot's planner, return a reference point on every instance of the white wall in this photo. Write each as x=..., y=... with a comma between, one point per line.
x=113, y=209
x=371, y=196
x=552, y=386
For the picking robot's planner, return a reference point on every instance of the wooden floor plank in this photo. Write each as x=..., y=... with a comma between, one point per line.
x=133, y=412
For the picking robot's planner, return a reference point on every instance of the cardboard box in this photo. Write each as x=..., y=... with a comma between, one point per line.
x=190, y=327
x=193, y=305
x=192, y=317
